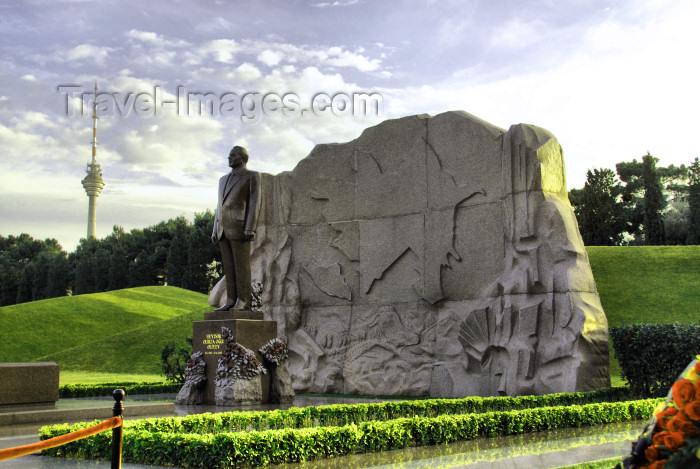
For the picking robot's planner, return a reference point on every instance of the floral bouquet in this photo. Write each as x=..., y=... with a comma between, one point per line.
x=195, y=371
x=236, y=362
x=275, y=351
x=674, y=439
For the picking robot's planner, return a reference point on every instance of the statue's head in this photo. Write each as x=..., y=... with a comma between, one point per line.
x=237, y=156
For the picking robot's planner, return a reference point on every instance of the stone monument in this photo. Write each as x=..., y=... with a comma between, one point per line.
x=432, y=256
x=232, y=344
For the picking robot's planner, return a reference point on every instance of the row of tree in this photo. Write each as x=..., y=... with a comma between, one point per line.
x=176, y=252
x=640, y=203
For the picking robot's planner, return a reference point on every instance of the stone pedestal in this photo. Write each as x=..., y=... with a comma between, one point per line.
x=250, y=333
x=29, y=383
x=243, y=392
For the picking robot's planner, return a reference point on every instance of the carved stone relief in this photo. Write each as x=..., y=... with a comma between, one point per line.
x=431, y=256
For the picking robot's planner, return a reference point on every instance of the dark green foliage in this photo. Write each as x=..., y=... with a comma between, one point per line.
x=100, y=271
x=174, y=252
x=83, y=260
x=203, y=256
x=648, y=189
x=599, y=209
x=106, y=389
x=59, y=275
x=30, y=269
x=118, y=269
x=143, y=270
x=173, y=360
x=694, y=204
x=24, y=287
x=205, y=441
x=652, y=356
x=654, y=203
x=177, y=252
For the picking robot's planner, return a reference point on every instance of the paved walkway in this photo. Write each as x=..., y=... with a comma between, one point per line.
x=538, y=450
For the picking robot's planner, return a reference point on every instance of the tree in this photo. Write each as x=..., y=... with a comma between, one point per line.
x=694, y=204
x=143, y=271
x=654, y=203
x=101, y=259
x=630, y=173
x=177, y=252
x=118, y=269
x=58, y=275
x=24, y=267
x=40, y=275
x=24, y=286
x=648, y=189
x=202, y=253
x=83, y=264
x=599, y=209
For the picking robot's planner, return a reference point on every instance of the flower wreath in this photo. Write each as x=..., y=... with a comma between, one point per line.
x=674, y=439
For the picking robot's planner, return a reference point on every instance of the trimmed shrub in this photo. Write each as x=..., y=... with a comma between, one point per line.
x=343, y=414
x=652, y=356
x=106, y=389
x=261, y=448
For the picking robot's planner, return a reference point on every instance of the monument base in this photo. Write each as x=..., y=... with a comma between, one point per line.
x=249, y=333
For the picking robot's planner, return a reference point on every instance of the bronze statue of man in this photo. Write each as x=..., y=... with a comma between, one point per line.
x=234, y=227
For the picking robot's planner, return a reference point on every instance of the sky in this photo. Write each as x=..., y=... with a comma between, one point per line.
x=612, y=80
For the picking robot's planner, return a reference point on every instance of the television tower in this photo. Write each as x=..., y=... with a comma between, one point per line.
x=93, y=182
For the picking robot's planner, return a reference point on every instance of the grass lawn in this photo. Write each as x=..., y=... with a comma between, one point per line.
x=132, y=352
x=646, y=284
x=121, y=331
x=650, y=284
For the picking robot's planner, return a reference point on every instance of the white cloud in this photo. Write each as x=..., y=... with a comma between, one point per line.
x=275, y=53
x=342, y=58
x=223, y=50
x=247, y=73
x=336, y=3
x=87, y=52
x=517, y=34
x=270, y=58
x=154, y=39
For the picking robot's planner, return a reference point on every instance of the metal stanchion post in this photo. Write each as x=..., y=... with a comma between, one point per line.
x=117, y=411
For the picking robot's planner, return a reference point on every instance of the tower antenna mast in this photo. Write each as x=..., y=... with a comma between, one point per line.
x=93, y=182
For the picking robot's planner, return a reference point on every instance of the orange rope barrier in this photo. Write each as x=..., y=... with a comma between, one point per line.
x=11, y=453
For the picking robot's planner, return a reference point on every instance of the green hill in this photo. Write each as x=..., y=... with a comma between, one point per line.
x=133, y=352
x=118, y=331
x=647, y=284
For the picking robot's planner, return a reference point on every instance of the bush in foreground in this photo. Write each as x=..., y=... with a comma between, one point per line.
x=209, y=445
x=653, y=355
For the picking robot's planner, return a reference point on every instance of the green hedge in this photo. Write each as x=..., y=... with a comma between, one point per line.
x=343, y=414
x=652, y=356
x=106, y=389
x=260, y=448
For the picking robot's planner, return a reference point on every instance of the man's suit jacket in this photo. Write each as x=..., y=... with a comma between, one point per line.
x=239, y=204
